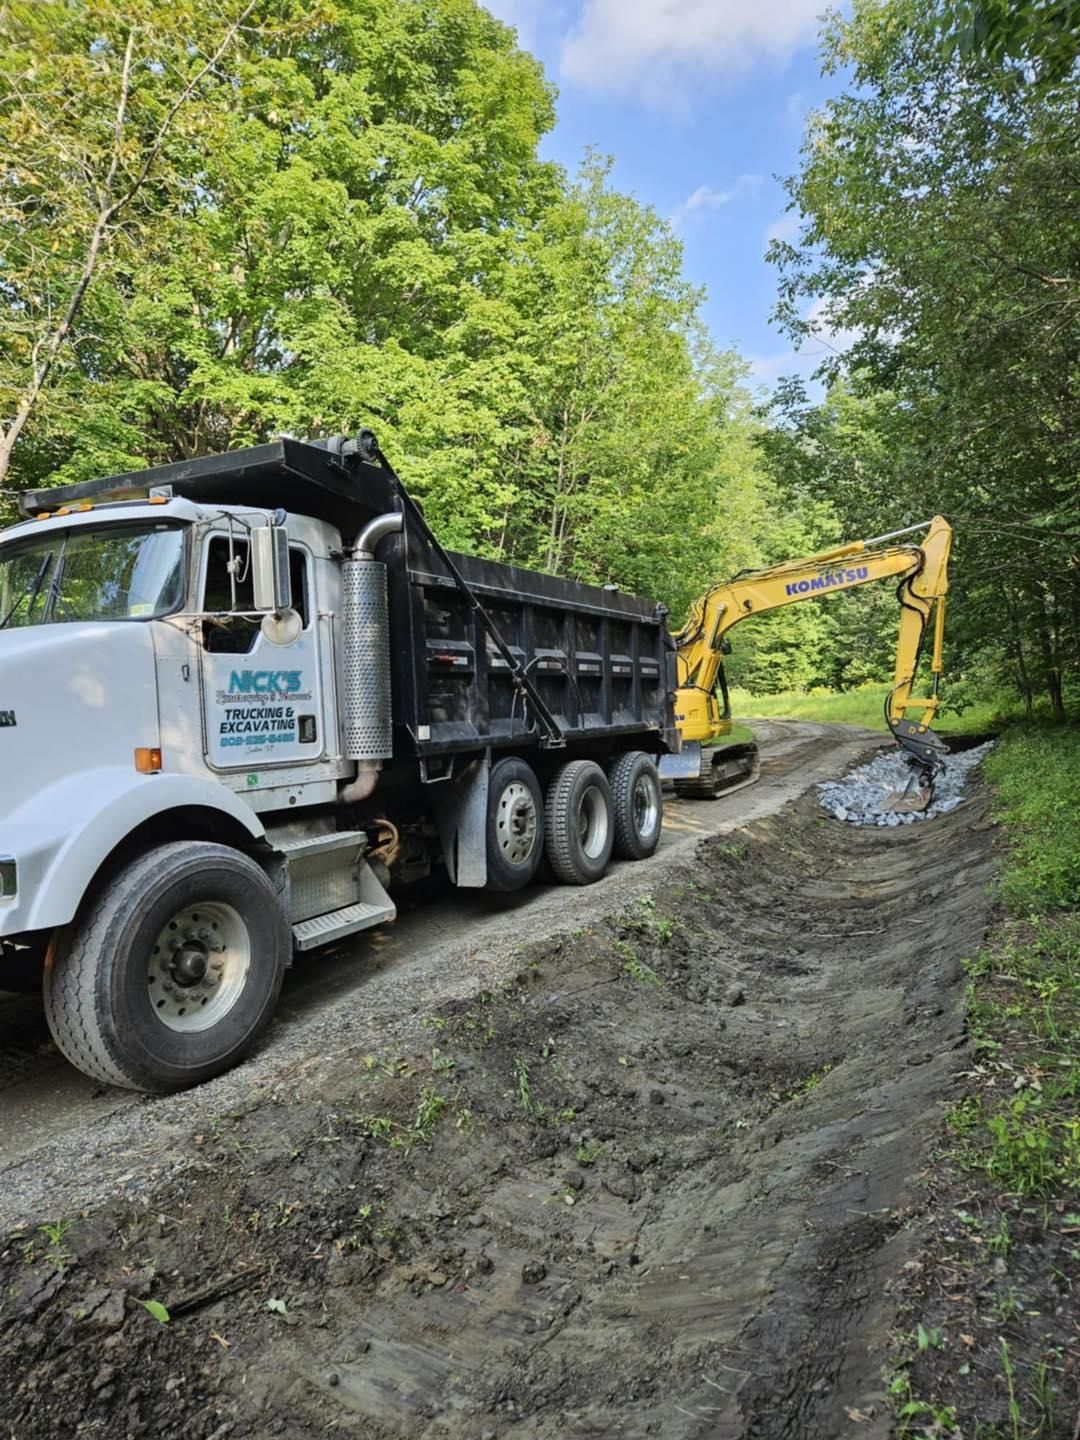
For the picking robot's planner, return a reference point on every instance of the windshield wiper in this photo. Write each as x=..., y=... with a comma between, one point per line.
x=54, y=584
x=32, y=591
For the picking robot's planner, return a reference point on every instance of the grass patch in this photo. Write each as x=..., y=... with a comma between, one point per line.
x=740, y=735
x=1023, y=1127
x=1036, y=780
x=865, y=706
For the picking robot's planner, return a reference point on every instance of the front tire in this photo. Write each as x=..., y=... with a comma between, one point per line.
x=578, y=822
x=637, y=803
x=170, y=975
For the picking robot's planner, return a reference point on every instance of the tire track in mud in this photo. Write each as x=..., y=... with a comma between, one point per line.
x=655, y=1186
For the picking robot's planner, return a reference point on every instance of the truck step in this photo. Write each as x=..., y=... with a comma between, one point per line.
x=309, y=845
x=322, y=929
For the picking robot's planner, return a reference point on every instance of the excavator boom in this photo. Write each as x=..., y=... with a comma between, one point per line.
x=703, y=712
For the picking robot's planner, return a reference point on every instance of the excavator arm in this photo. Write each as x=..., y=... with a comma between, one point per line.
x=702, y=711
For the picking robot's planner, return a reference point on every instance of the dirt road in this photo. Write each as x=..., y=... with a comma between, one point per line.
x=633, y=1161
x=444, y=943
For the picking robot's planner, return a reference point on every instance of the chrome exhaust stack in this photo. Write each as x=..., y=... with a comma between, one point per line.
x=365, y=660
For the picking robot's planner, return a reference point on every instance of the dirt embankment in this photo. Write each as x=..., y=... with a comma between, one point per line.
x=657, y=1185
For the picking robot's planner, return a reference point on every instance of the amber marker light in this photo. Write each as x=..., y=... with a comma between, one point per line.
x=147, y=760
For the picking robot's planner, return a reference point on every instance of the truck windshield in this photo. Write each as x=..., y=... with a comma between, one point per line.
x=115, y=572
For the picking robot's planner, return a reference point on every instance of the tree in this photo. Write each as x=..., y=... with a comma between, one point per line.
x=346, y=223
x=943, y=230
x=91, y=95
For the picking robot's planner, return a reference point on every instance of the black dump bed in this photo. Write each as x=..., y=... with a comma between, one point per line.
x=600, y=662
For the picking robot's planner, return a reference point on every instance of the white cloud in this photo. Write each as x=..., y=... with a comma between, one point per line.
x=657, y=48
x=785, y=227
x=767, y=369
x=706, y=198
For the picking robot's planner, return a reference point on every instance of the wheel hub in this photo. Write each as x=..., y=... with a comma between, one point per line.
x=646, y=807
x=198, y=966
x=190, y=963
x=516, y=823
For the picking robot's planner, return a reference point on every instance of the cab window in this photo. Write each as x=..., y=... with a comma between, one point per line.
x=227, y=629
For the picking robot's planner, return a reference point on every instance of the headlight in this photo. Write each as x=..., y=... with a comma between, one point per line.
x=9, y=883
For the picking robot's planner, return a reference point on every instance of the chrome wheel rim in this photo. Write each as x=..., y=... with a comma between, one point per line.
x=198, y=966
x=646, y=807
x=593, y=822
x=516, y=823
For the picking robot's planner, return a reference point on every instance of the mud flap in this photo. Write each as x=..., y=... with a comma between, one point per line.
x=460, y=809
x=686, y=765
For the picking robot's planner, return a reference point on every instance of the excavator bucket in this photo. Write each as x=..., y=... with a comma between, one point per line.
x=916, y=795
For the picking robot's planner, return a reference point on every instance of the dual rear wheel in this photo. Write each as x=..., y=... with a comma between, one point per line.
x=587, y=816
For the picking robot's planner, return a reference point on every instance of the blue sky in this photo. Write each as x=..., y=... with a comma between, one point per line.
x=702, y=104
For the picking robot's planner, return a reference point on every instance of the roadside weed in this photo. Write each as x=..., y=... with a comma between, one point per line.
x=522, y=1084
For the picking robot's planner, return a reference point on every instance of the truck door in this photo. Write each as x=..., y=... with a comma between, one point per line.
x=262, y=701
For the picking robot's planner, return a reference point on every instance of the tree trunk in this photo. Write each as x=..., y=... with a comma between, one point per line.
x=1053, y=670
x=1023, y=676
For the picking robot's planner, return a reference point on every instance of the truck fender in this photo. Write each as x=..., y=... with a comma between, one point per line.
x=77, y=822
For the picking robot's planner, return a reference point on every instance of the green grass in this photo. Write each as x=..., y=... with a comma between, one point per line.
x=1024, y=986
x=740, y=735
x=866, y=706
x=1036, y=780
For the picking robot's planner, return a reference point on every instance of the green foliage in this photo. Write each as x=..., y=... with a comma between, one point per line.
x=865, y=705
x=941, y=232
x=1041, y=34
x=1036, y=778
x=350, y=225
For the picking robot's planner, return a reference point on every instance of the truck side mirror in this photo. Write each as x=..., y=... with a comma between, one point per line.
x=270, y=580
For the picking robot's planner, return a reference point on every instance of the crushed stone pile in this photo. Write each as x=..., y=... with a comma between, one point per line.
x=860, y=796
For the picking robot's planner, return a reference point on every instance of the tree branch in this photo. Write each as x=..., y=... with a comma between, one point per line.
x=108, y=210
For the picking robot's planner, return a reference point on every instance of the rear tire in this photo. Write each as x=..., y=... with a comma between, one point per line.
x=637, y=805
x=515, y=825
x=170, y=974
x=578, y=822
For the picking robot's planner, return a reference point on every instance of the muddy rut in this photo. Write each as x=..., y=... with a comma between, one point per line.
x=660, y=1184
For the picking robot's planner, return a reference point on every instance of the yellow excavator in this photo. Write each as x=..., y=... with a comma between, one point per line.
x=705, y=769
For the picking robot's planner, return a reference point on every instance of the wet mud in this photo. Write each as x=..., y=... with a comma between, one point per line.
x=659, y=1185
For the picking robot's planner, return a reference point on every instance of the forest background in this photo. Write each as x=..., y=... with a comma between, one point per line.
x=221, y=220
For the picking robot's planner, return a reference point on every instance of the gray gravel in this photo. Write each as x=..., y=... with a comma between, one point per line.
x=861, y=796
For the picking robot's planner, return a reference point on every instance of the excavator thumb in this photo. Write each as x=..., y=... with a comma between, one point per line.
x=925, y=753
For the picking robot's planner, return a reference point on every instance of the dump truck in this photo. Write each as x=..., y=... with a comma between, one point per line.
x=244, y=696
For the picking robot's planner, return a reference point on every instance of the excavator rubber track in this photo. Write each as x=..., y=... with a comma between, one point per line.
x=724, y=769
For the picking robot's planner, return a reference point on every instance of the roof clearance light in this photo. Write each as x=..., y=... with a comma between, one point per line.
x=147, y=760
